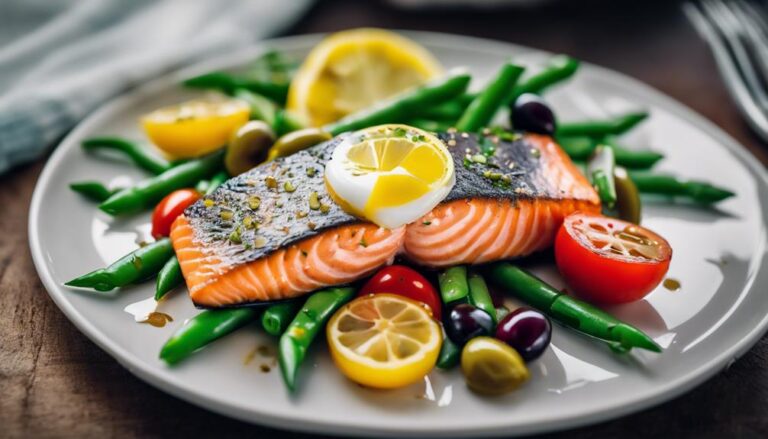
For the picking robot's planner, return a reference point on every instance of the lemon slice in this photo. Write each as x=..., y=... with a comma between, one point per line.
x=390, y=174
x=384, y=341
x=195, y=128
x=353, y=69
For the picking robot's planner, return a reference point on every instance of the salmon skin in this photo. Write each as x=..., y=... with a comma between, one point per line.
x=274, y=233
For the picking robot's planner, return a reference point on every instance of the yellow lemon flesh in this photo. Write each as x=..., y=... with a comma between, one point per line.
x=195, y=128
x=384, y=340
x=390, y=175
x=353, y=69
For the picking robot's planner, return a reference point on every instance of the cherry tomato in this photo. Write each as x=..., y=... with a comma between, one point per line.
x=169, y=208
x=607, y=260
x=406, y=282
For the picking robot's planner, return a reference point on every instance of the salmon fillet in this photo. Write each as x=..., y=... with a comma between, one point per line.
x=478, y=230
x=234, y=250
x=332, y=258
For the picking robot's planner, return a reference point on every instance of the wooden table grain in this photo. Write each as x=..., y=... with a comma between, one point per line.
x=56, y=383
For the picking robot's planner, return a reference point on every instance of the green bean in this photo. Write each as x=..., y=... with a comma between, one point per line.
x=277, y=317
x=229, y=83
x=202, y=186
x=600, y=172
x=480, y=112
x=430, y=125
x=578, y=147
x=261, y=107
x=148, y=192
x=136, y=266
x=453, y=284
x=558, y=69
x=479, y=295
x=313, y=316
x=599, y=128
x=632, y=159
x=404, y=106
x=93, y=190
x=697, y=191
x=447, y=112
x=570, y=312
x=581, y=148
x=140, y=156
x=450, y=354
x=286, y=122
x=217, y=180
x=203, y=329
x=168, y=278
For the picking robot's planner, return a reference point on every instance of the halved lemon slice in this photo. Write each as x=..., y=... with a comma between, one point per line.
x=384, y=341
x=390, y=174
x=195, y=128
x=351, y=70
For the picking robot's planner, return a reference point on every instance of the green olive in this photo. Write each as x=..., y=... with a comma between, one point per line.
x=628, y=204
x=296, y=141
x=248, y=146
x=492, y=367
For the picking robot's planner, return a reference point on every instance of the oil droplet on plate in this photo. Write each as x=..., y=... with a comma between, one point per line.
x=671, y=284
x=158, y=319
x=145, y=311
x=265, y=368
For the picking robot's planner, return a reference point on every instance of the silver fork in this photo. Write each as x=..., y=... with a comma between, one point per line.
x=737, y=34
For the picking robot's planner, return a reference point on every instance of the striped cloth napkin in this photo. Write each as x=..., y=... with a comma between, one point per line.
x=60, y=59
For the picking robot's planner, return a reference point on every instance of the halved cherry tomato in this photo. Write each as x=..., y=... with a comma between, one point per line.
x=169, y=208
x=406, y=282
x=607, y=260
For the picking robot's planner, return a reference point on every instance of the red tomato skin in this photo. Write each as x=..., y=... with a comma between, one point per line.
x=407, y=282
x=169, y=208
x=601, y=279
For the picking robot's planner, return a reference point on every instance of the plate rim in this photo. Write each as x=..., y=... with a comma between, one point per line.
x=165, y=381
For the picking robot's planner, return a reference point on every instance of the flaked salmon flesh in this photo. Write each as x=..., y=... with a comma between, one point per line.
x=480, y=221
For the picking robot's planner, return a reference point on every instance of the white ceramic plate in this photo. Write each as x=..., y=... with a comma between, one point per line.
x=716, y=316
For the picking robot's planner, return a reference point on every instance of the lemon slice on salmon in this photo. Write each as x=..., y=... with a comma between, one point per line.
x=390, y=175
x=353, y=69
x=384, y=341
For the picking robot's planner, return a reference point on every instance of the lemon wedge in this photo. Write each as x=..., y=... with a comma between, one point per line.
x=195, y=128
x=390, y=175
x=384, y=341
x=353, y=69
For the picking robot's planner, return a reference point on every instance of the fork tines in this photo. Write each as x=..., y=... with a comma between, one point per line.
x=737, y=33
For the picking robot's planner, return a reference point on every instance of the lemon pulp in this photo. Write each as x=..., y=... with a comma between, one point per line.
x=353, y=69
x=390, y=174
x=384, y=340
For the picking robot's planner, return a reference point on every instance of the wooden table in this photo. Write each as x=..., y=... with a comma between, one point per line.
x=55, y=382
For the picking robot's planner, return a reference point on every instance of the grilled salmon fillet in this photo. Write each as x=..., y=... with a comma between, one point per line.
x=258, y=239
